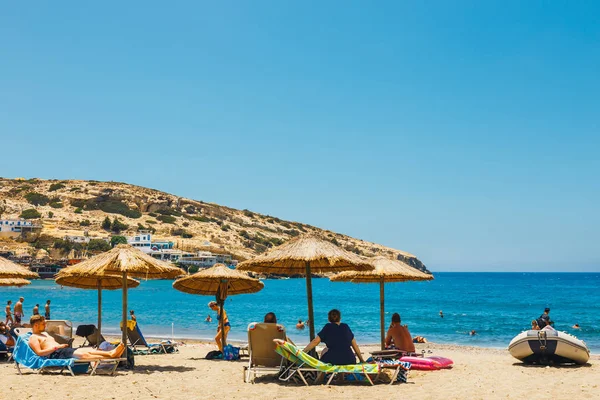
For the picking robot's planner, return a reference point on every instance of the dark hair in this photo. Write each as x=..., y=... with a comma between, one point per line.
x=546, y=309
x=36, y=319
x=8, y=302
x=396, y=317
x=47, y=301
x=130, y=311
x=270, y=318
x=37, y=305
x=334, y=315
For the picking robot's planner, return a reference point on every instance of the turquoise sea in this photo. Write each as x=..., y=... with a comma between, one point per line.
x=496, y=305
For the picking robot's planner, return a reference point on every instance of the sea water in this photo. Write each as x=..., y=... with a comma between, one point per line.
x=496, y=305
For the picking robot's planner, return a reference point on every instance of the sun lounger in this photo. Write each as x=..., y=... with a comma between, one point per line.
x=61, y=331
x=25, y=357
x=90, y=333
x=303, y=363
x=141, y=346
x=6, y=351
x=261, y=349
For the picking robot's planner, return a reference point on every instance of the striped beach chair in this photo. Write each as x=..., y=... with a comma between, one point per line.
x=303, y=363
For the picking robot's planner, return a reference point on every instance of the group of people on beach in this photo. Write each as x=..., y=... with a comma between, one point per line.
x=18, y=312
x=341, y=346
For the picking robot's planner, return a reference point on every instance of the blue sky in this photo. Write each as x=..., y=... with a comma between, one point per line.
x=464, y=132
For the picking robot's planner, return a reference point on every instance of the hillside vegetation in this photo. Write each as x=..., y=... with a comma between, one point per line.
x=71, y=207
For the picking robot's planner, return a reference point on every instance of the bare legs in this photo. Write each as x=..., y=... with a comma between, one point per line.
x=218, y=338
x=84, y=354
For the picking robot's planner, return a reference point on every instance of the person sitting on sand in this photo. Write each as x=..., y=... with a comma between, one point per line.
x=534, y=325
x=226, y=325
x=398, y=336
x=44, y=345
x=270, y=318
x=339, y=340
x=576, y=326
x=419, y=339
x=300, y=325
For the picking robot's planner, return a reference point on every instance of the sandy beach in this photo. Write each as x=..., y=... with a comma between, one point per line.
x=478, y=373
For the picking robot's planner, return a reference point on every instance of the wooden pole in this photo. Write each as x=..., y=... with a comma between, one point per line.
x=124, y=321
x=99, y=312
x=382, y=312
x=311, y=316
x=222, y=323
x=221, y=296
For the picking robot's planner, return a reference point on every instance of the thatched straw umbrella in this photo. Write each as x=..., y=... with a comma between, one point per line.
x=14, y=282
x=9, y=269
x=386, y=270
x=107, y=282
x=220, y=281
x=125, y=261
x=306, y=255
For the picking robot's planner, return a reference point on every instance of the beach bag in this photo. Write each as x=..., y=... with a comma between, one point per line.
x=231, y=353
x=130, y=363
x=214, y=355
x=79, y=369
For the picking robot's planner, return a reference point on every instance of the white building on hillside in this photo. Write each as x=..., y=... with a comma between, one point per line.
x=142, y=240
x=14, y=225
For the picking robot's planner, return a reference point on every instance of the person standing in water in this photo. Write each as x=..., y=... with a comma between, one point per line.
x=9, y=318
x=441, y=314
x=47, y=309
x=36, y=309
x=19, y=311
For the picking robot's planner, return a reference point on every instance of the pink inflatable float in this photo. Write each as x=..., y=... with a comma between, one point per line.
x=428, y=363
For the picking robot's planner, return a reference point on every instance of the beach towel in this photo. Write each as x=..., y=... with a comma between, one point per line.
x=300, y=358
x=25, y=356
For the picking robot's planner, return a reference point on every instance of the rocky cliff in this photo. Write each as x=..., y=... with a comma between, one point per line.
x=101, y=209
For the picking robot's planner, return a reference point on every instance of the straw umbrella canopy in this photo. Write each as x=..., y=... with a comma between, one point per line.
x=9, y=269
x=14, y=282
x=386, y=270
x=125, y=261
x=108, y=282
x=220, y=281
x=304, y=256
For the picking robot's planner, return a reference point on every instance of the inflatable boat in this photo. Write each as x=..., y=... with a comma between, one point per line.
x=548, y=347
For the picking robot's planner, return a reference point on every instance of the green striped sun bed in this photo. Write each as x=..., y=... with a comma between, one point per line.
x=303, y=362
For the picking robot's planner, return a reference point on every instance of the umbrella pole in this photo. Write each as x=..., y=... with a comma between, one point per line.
x=99, y=312
x=221, y=322
x=124, y=320
x=382, y=312
x=311, y=319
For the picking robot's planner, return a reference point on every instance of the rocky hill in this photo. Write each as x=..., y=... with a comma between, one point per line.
x=101, y=209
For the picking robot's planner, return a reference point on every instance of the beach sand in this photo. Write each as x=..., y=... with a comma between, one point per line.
x=478, y=373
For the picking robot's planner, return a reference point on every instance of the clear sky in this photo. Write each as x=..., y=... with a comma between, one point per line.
x=465, y=132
